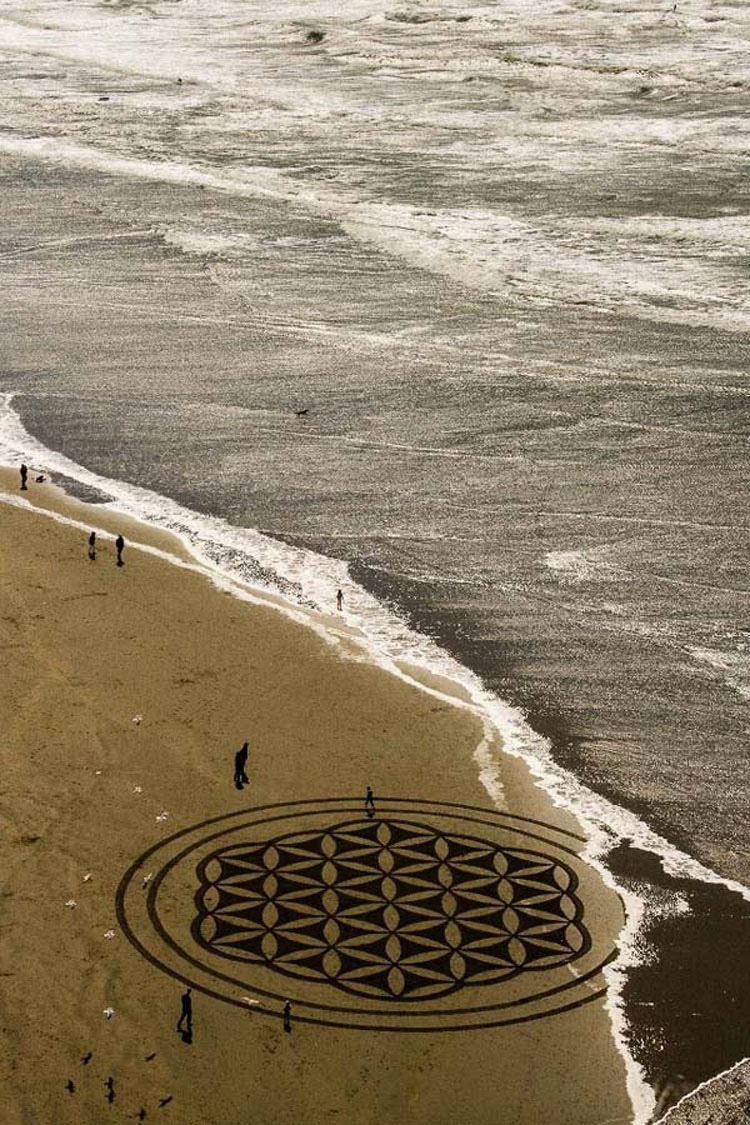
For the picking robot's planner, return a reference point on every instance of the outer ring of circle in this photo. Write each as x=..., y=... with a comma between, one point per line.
x=320, y=808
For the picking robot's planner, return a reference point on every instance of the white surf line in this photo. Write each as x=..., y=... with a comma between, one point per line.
x=604, y=822
x=243, y=591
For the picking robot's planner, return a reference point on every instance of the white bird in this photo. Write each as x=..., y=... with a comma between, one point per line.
x=147, y=878
x=87, y=878
x=137, y=719
x=71, y=903
x=108, y=1013
x=109, y=934
x=249, y=1000
x=138, y=789
x=163, y=815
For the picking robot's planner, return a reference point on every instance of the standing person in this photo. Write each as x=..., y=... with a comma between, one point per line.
x=240, y=762
x=92, y=546
x=287, y=1015
x=339, y=600
x=119, y=544
x=185, y=1022
x=24, y=475
x=369, y=802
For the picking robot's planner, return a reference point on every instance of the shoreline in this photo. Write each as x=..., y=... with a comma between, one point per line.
x=606, y=824
x=517, y=786
x=388, y=641
x=417, y=669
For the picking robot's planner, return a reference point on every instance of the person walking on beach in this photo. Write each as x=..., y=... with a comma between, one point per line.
x=24, y=475
x=339, y=600
x=92, y=546
x=369, y=803
x=240, y=762
x=287, y=1015
x=119, y=544
x=185, y=1022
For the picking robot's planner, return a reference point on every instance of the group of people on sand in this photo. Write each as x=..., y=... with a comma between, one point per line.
x=119, y=547
x=241, y=779
x=119, y=541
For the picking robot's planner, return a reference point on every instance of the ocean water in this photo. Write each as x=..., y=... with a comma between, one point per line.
x=499, y=253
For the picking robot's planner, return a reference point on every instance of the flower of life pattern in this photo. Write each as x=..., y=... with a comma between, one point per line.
x=388, y=909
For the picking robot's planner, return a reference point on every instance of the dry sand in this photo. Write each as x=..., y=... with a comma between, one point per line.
x=86, y=647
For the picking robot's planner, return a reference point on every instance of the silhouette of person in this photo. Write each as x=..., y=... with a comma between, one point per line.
x=24, y=475
x=119, y=544
x=339, y=600
x=287, y=1015
x=92, y=545
x=185, y=1022
x=240, y=762
x=369, y=802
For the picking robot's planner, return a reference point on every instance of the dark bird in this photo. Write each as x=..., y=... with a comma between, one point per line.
x=141, y=1115
x=40, y=480
x=87, y=1058
x=150, y=1057
x=165, y=1101
x=70, y=1086
x=301, y=413
x=110, y=1084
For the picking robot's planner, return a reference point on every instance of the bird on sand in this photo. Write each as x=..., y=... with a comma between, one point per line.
x=301, y=413
x=70, y=1086
x=86, y=1059
x=150, y=1057
x=165, y=1101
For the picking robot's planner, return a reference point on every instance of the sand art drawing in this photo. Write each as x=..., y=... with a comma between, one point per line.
x=389, y=909
x=432, y=916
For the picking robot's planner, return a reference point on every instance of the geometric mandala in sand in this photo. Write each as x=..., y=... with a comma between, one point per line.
x=430, y=916
x=388, y=909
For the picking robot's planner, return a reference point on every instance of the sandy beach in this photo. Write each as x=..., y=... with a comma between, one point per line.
x=126, y=819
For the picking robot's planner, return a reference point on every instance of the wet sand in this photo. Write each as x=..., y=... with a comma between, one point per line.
x=85, y=790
